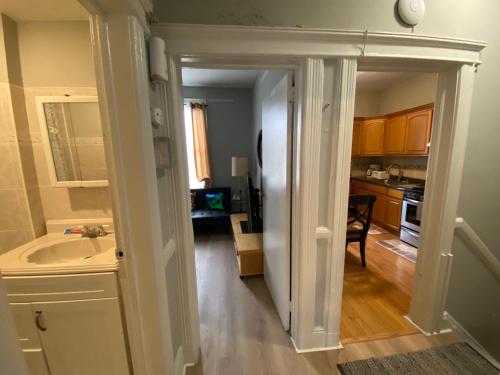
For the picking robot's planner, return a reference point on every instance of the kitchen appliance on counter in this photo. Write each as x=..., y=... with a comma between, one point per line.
x=411, y=215
x=372, y=168
x=380, y=175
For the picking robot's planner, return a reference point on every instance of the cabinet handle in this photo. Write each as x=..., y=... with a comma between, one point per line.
x=38, y=318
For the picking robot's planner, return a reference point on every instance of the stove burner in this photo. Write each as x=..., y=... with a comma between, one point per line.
x=416, y=194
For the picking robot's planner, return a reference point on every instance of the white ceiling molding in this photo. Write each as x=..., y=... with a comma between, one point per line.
x=235, y=78
x=215, y=40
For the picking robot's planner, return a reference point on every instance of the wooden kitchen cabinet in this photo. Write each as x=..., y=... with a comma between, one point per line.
x=395, y=135
x=380, y=208
x=404, y=133
x=387, y=208
x=418, y=131
x=393, y=213
x=372, y=137
x=356, y=138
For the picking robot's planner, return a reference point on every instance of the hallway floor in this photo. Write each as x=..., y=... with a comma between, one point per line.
x=241, y=332
x=376, y=298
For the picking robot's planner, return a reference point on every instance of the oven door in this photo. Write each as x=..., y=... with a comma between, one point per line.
x=409, y=236
x=411, y=214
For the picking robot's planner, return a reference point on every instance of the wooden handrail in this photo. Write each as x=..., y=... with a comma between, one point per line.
x=478, y=247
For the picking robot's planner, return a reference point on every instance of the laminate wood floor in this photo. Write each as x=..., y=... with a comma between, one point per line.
x=241, y=332
x=376, y=298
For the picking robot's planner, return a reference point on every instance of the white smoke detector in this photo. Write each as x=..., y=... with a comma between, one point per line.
x=411, y=11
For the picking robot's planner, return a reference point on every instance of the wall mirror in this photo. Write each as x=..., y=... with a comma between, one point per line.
x=73, y=141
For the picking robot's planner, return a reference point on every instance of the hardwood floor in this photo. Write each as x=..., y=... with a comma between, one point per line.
x=241, y=332
x=376, y=298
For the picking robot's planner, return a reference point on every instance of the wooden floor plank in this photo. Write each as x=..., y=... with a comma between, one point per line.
x=376, y=298
x=241, y=332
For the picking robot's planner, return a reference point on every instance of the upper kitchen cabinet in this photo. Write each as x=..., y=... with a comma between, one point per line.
x=372, y=137
x=418, y=132
x=356, y=138
x=395, y=135
x=403, y=133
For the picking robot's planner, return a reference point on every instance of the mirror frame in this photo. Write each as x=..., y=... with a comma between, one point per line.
x=40, y=101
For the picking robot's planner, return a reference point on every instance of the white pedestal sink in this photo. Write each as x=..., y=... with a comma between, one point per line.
x=70, y=250
x=58, y=253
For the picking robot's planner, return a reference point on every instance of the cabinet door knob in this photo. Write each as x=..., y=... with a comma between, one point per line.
x=38, y=319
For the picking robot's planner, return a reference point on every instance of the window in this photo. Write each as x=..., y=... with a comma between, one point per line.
x=188, y=124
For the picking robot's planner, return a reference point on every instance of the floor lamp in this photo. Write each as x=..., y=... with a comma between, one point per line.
x=239, y=168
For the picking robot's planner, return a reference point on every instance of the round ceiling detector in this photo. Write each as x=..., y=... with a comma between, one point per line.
x=411, y=11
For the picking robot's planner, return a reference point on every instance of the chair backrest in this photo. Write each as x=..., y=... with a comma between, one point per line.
x=361, y=210
x=201, y=200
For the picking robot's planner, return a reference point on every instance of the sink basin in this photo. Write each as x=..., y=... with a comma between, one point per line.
x=69, y=250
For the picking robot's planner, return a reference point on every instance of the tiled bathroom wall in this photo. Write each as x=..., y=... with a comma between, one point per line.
x=33, y=62
x=15, y=218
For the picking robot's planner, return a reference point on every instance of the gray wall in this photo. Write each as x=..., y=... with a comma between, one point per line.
x=265, y=83
x=470, y=291
x=230, y=123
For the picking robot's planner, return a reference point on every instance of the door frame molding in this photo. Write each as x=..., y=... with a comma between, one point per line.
x=308, y=49
x=118, y=32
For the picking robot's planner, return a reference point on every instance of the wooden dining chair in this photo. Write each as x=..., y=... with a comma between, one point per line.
x=360, y=212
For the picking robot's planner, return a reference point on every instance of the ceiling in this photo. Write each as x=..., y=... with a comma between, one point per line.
x=219, y=77
x=376, y=81
x=44, y=10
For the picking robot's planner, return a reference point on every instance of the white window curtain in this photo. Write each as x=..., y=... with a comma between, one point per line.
x=188, y=122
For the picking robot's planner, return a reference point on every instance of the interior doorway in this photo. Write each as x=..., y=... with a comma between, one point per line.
x=239, y=141
x=390, y=152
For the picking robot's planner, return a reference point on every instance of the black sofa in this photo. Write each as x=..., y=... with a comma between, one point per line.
x=205, y=218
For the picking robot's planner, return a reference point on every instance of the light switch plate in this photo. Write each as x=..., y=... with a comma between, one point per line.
x=156, y=117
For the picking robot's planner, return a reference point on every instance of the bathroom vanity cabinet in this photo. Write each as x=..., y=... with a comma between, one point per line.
x=69, y=324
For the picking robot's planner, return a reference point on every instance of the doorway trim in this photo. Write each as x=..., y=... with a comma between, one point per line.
x=256, y=47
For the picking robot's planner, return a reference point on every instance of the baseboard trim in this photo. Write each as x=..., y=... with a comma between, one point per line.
x=318, y=349
x=425, y=333
x=186, y=365
x=469, y=339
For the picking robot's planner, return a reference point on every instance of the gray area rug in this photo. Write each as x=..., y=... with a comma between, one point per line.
x=455, y=359
x=400, y=248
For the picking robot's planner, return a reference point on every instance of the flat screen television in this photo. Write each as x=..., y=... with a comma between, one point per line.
x=254, y=221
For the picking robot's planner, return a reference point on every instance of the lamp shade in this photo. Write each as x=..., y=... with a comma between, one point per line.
x=239, y=166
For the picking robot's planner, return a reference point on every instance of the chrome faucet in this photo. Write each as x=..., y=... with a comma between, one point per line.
x=400, y=171
x=93, y=231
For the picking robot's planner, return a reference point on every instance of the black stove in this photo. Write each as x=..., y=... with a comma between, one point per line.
x=415, y=193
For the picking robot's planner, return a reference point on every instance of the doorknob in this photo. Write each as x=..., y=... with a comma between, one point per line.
x=38, y=319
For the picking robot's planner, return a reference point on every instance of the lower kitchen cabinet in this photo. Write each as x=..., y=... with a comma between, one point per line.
x=35, y=360
x=379, y=208
x=82, y=337
x=64, y=334
x=393, y=213
x=387, y=208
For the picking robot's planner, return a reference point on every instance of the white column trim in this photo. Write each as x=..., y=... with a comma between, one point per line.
x=304, y=252
x=445, y=168
x=342, y=125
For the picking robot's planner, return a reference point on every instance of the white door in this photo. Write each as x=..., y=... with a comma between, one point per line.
x=276, y=171
x=82, y=337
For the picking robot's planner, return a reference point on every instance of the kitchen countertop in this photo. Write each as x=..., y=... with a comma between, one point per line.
x=393, y=184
